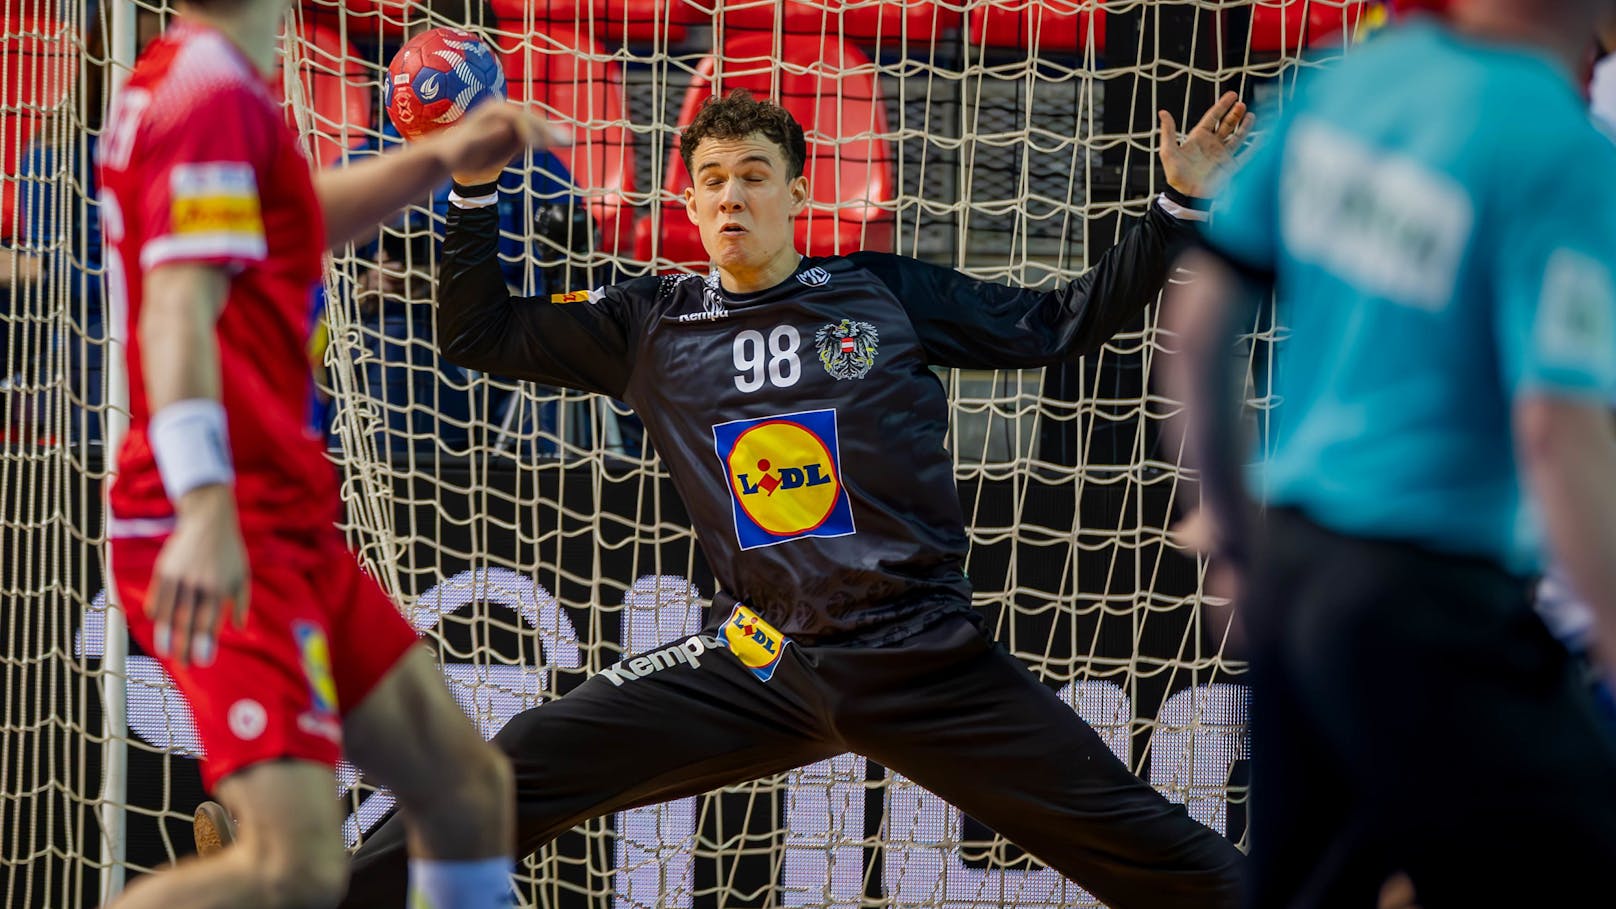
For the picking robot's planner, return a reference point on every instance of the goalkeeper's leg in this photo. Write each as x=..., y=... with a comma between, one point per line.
x=685, y=725
x=962, y=717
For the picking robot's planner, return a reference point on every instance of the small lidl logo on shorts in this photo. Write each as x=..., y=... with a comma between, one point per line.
x=757, y=644
x=315, y=654
x=785, y=479
x=576, y=296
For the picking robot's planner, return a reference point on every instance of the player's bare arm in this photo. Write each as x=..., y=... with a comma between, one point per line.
x=355, y=198
x=1201, y=314
x=202, y=571
x=1567, y=449
x=17, y=267
x=472, y=150
x=1199, y=317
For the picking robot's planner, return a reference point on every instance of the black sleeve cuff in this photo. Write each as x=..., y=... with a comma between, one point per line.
x=475, y=190
x=1197, y=203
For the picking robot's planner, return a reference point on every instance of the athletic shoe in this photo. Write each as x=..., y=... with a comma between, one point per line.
x=212, y=828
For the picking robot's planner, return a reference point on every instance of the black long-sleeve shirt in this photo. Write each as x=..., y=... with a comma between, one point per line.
x=801, y=424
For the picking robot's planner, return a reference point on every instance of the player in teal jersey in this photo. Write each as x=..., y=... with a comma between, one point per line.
x=1436, y=218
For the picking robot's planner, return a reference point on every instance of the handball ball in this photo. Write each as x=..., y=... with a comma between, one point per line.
x=436, y=77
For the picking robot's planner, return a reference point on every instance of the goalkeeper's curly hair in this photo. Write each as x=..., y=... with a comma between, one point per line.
x=738, y=115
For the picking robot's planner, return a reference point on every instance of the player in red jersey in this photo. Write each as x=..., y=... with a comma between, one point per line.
x=216, y=229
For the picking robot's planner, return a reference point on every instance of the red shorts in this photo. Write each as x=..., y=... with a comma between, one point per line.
x=320, y=634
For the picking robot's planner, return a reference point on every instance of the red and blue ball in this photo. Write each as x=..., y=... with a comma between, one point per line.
x=436, y=77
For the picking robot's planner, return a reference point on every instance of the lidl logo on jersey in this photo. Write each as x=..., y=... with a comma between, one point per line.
x=315, y=654
x=757, y=644
x=785, y=479
x=218, y=197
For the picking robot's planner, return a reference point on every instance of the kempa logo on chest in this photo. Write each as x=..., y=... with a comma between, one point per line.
x=712, y=304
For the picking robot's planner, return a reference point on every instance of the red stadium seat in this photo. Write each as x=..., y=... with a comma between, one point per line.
x=848, y=177
x=1045, y=26
x=881, y=22
x=336, y=90
x=575, y=83
x=366, y=19
x=1288, y=26
x=611, y=22
x=35, y=76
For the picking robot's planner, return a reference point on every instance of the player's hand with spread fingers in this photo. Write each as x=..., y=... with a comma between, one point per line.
x=1195, y=164
x=478, y=148
x=201, y=577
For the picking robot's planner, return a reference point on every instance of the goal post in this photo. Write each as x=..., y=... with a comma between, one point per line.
x=530, y=533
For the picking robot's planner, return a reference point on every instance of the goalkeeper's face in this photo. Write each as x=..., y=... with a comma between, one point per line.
x=744, y=203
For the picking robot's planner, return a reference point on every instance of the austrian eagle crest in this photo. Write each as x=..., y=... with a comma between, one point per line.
x=847, y=348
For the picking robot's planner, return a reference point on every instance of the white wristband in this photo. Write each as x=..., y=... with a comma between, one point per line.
x=192, y=449
x=483, y=201
x=1181, y=212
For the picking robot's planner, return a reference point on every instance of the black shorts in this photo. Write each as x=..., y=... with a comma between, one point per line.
x=1411, y=712
x=946, y=708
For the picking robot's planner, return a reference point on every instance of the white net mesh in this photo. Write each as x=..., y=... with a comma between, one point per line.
x=531, y=533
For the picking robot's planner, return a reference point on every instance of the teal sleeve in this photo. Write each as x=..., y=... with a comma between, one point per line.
x=1245, y=213
x=1555, y=315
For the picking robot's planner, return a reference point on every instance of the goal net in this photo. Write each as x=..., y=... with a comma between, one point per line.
x=530, y=533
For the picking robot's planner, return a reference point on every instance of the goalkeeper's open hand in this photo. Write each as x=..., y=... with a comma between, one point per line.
x=1195, y=164
x=477, y=149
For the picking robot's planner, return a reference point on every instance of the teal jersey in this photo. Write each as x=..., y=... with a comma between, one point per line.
x=1439, y=218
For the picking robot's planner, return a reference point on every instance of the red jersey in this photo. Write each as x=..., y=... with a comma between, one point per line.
x=198, y=166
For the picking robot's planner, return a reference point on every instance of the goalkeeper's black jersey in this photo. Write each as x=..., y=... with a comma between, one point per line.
x=802, y=425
